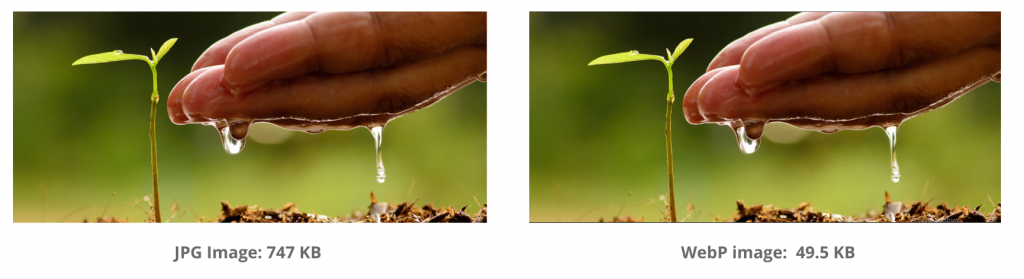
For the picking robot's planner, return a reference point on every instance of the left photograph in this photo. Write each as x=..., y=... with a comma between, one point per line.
x=293, y=117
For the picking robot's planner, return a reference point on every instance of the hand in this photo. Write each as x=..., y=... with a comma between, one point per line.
x=335, y=70
x=833, y=71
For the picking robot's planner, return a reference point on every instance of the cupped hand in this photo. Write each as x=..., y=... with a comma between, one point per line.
x=333, y=70
x=833, y=71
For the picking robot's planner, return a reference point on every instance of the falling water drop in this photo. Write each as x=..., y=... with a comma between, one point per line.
x=891, y=132
x=748, y=135
x=377, y=133
x=232, y=136
x=231, y=145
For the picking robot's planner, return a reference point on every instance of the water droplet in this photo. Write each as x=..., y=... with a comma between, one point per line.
x=233, y=136
x=633, y=52
x=378, y=135
x=482, y=77
x=118, y=52
x=378, y=209
x=998, y=77
x=748, y=135
x=891, y=209
x=891, y=132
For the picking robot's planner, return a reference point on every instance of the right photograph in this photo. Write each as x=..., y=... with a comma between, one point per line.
x=765, y=117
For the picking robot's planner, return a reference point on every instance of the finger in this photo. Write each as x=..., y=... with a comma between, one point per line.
x=387, y=93
x=343, y=42
x=852, y=43
x=174, y=108
x=690, y=108
x=899, y=93
x=217, y=52
x=731, y=54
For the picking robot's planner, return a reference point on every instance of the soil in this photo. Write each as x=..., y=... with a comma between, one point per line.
x=917, y=212
x=377, y=212
x=892, y=212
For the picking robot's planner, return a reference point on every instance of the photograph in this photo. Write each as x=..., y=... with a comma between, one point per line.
x=765, y=117
x=592, y=133
x=262, y=117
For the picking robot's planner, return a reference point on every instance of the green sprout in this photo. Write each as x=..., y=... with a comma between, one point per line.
x=117, y=55
x=637, y=56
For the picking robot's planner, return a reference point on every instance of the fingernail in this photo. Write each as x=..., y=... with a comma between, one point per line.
x=752, y=90
x=747, y=88
x=236, y=89
x=232, y=89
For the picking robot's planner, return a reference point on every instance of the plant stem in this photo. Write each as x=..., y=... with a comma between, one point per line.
x=152, y=145
x=668, y=146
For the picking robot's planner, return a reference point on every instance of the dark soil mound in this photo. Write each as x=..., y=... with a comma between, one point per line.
x=383, y=212
x=893, y=212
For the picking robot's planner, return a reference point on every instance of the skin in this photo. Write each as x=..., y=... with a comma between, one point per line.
x=838, y=71
x=332, y=70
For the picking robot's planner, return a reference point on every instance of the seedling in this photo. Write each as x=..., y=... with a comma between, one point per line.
x=117, y=55
x=672, y=56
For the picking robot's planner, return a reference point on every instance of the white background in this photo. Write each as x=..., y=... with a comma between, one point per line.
x=509, y=246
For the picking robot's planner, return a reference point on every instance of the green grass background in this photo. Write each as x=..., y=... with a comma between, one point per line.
x=82, y=132
x=597, y=133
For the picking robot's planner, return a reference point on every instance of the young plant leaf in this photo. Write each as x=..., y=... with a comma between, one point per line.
x=680, y=48
x=164, y=48
x=629, y=56
x=105, y=57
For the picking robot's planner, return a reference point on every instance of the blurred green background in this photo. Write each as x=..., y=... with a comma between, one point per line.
x=597, y=133
x=82, y=132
